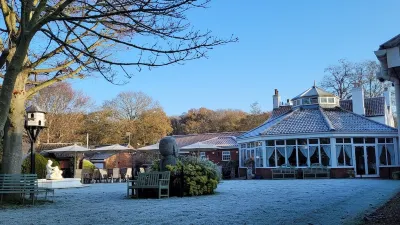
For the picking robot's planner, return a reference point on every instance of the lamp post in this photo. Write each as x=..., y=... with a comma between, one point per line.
x=34, y=123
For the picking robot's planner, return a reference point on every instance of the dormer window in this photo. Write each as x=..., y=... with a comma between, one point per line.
x=306, y=101
x=314, y=101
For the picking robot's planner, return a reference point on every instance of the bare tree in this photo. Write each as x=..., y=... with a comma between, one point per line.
x=130, y=105
x=339, y=78
x=65, y=109
x=75, y=38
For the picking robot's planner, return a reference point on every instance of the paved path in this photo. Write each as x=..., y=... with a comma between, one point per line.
x=236, y=202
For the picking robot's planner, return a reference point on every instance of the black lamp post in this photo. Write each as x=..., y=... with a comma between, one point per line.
x=34, y=123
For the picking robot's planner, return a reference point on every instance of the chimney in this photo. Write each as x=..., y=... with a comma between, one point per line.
x=276, y=99
x=388, y=102
x=358, y=99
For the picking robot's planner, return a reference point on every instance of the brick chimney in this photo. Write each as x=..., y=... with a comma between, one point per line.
x=276, y=99
x=358, y=99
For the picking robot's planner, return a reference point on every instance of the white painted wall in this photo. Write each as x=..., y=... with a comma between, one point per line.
x=358, y=100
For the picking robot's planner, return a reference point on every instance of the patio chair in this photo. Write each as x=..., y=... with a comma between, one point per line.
x=128, y=174
x=115, y=175
x=96, y=176
x=87, y=176
x=103, y=175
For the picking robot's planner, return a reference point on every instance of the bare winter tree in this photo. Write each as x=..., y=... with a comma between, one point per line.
x=65, y=109
x=339, y=78
x=130, y=105
x=47, y=41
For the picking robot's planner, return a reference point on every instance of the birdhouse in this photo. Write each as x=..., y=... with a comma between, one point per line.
x=35, y=117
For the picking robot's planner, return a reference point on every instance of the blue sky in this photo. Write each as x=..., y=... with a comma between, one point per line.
x=282, y=44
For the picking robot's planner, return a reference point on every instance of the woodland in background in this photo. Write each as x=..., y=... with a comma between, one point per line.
x=71, y=115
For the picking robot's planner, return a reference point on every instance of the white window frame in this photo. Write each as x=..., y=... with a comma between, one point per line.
x=202, y=155
x=226, y=154
x=394, y=164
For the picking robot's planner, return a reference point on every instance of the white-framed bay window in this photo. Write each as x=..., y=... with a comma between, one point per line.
x=386, y=152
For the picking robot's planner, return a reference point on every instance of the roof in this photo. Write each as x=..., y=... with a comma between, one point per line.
x=34, y=108
x=100, y=156
x=314, y=91
x=373, y=106
x=223, y=140
x=394, y=42
x=315, y=119
x=51, y=146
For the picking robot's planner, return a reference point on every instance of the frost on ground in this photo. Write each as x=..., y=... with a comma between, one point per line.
x=329, y=201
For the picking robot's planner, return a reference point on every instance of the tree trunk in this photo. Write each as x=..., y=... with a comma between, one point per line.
x=12, y=152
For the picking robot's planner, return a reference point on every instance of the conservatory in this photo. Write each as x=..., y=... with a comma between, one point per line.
x=318, y=129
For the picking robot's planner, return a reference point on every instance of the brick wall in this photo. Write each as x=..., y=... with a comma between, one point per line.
x=119, y=160
x=386, y=172
x=216, y=156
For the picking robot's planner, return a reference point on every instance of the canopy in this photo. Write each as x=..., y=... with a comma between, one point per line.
x=72, y=148
x=149, y=148
x=112, y=148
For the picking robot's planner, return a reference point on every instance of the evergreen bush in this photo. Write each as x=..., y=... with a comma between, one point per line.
x=88, y=165
x=201, y=176
x=40, y=165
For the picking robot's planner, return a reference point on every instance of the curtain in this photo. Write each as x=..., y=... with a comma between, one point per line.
x=312, y=152
x=390, y=149
x=348, y=151
x=289, y=151
x=327, y=150
x=281, y=150
x=270, y=151
x=304, y=151
x=380, y=150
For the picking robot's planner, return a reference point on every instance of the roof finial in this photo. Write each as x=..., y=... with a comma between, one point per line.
x=314, y=84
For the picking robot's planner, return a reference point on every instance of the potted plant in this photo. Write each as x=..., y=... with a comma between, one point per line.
x=396, y=175
x=351, y=173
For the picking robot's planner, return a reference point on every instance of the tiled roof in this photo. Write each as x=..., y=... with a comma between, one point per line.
x=223, y=142
x=305, y=120
x=281, y=110
x=314, y=91
x=100, y=156
x=373, y=106
x=184, y=140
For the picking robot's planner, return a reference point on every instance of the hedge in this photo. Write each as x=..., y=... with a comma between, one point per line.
x=40, y=165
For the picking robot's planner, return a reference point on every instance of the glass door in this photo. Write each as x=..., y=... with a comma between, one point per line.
x=360, y=160
x=371, y=160
x=365, y=160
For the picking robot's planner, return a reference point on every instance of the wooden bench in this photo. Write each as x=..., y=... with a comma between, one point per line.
x=316, y=171
x=284, y=172
x=153, y=180
x=22, y=184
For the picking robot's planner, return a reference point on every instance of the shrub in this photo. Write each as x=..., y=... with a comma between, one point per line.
x=201, y=176
x=40, y=165
x=88, y=165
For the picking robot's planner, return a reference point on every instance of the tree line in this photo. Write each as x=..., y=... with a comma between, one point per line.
x=132, y=117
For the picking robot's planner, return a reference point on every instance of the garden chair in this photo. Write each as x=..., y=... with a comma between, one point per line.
x=103, y=175
x=115, y=175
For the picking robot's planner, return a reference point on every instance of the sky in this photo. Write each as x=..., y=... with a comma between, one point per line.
x=282, y=45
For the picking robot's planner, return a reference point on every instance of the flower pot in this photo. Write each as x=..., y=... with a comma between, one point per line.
x=396, y=175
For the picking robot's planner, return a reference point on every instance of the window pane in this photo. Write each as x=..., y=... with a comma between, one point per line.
x=303, y=155
x=324, y=156
x=271, y=143
x=340, y=158
x=243, y=145
x=259, y=157
x=358, y=140
x=389, y=140
x=271, y=159
x=347, y=140
x=382, y=158
x=280, y=153
x=339, y=140
x=291, y=142
x=314, y=158
x=280, y=142
x=348, y=155
x=314, y=101
x=381, y=140
x=331, y=100
x=313, y=141
x=323, y=100
x=302, y=141
x=369, y=140
x=325, y=141
x=291, y=152
x=306, y=101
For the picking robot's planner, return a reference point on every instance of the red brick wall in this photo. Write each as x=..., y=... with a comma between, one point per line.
x=124, y=160
x=386, y=172
x=216, y=156
x=340, y=172
x=264, y=172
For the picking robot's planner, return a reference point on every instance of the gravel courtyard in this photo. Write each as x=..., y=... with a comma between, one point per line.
x=236, y=202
